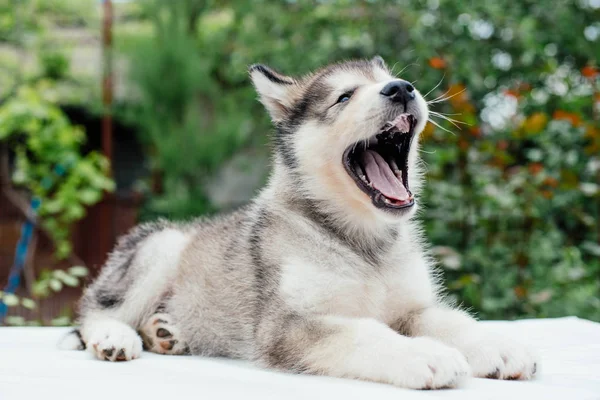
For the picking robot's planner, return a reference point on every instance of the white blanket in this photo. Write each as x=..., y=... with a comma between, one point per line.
x=32, y=367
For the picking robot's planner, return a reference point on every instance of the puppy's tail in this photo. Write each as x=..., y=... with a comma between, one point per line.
x=72, y=341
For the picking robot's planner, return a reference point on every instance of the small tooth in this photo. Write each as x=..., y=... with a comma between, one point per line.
x=395, y=169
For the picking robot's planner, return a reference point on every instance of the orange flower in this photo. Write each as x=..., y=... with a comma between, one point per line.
x=589, y=71
x=592, y=132
x=535, y=122
x=520, y=292
x=475, y=131
x=498, y=162
x=535, y=168
x=550, y=181
x=437, y=63
x=457, y=97
x=512, y=92
x=502, y=145
x=547, y=194
x=524, y=87
x=572, y=117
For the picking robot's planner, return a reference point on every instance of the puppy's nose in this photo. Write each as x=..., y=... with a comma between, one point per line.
x=399, y=90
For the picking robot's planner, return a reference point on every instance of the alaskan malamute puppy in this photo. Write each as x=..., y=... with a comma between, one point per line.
x=325, y=272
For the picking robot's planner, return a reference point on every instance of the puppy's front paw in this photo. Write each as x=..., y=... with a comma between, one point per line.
x=115, y=341
x=429, y=364
x=496, y=357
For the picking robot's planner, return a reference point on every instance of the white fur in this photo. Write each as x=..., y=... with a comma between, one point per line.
x=102, y=334
x=488, y=353
x=70, y=341
x=351, y=292
x=367, y=349
x=158, y=259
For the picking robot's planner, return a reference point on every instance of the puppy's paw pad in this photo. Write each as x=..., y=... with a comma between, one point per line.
x=162, y=336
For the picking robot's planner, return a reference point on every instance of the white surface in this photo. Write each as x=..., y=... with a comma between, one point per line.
x=31, y=367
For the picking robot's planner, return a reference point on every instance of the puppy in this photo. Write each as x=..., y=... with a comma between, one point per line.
x=324, y=272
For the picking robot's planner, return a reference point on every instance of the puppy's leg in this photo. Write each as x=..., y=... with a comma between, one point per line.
x=358, y=348
x=161, y=335
x=489, y=354
x=131, y=285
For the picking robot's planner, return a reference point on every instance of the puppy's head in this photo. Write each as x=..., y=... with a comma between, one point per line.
x=348, y=135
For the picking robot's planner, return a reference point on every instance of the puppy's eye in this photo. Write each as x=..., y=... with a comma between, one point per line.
x=345, y=97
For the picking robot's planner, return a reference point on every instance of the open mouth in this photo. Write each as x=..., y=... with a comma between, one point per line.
x=379, y=165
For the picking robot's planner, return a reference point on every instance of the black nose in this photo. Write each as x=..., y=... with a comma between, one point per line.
x=400, y=91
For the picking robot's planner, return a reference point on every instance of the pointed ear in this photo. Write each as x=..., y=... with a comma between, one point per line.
x=276, y=91
x=378, y=60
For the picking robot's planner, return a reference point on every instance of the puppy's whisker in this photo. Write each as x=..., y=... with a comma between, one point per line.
x=451, y=120
x=442, y=113
x=441, y=127
x=403, y=69
x=446, y=98
x=427, y=152
x=435, y=87
x=439, y=97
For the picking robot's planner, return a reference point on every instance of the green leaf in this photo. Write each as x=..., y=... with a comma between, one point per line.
x=61, y=321
x=70, y=280
x=10, y=300
x=40, y=288
x=28, y=303
x=15, y=320
x=55, y=285
x=90, y=196
x=78, y=271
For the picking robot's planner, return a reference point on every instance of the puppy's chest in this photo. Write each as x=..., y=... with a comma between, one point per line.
x=357, y=291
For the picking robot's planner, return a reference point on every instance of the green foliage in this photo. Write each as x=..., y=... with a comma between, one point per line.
x=54, y=63
x=49, y=283
x=53, y=281
x=49, y=163
x=33, y=16
x=188, y=141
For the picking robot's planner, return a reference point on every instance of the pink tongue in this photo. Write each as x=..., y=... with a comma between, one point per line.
x=382, y=178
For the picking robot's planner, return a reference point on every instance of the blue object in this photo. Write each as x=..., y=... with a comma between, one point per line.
x=14, y=279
